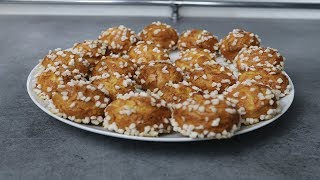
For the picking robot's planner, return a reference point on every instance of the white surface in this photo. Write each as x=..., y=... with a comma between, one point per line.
x=84, y=10
x=175, y=137
x=260, y=13
x=154, y=11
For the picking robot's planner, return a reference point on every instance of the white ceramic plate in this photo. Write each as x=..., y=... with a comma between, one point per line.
x=175, y=137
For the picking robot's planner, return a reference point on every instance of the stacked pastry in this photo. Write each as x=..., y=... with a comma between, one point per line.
x=127, y=83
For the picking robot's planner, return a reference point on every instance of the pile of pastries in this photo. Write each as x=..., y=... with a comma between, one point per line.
x=127, y=82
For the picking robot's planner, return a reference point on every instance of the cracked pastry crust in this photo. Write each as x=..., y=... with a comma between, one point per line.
x=196, y=38
x=231, y=44
x=214, y=117
x=193, y=58
x=50, y=79
x=58, y=68
x=114, y=64
x=81, y=102
x=255, y=102
x=173, y=93
x=70, y=60
x=92, y=50
x=256, y=58
x=145, y=52
x=113, y=75
x=160, y=34
x=113, y=84
x=157, y=74
x=276, y=80
x=212, y=77
x=137, y=114
x=118, y=39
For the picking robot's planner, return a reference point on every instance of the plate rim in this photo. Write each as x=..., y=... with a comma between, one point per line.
x=141, y=138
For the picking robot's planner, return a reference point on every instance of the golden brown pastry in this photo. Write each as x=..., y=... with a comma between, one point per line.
x=92, y=50
x=212, y=77
x=254, y=101
x=128, y=84
x=57, y=69
x=160, y=34
x=137, y=114
x=144, y=52
x=231, y=44
x=81, y=102
x=114, y=64
x=69, y=60
x=157, y=74
x=174, y=93
x=193, y=58
x=118, y=39
x=49, y=80
x=196, y=38
x=113, y=84
x=276, y=80
x=254, y=58
x=205, y=118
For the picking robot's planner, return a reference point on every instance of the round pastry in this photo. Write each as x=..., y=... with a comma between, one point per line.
x=161, y=34
x=205, y=118
x=92, y=50
x=81, y=102
x=231, y=44
x=157, y=74
x=52, y=78
x=113, y=84
x=114, y=64
x=69, y=60
x=174, y=93
x=254, y=101
x=254, y=58
x=192, y=58
x=201, y=39
x=276, y=80
x=144, y=52
x=137, y=114
x=118, y=39
x=58, y=68
x=212, y=77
